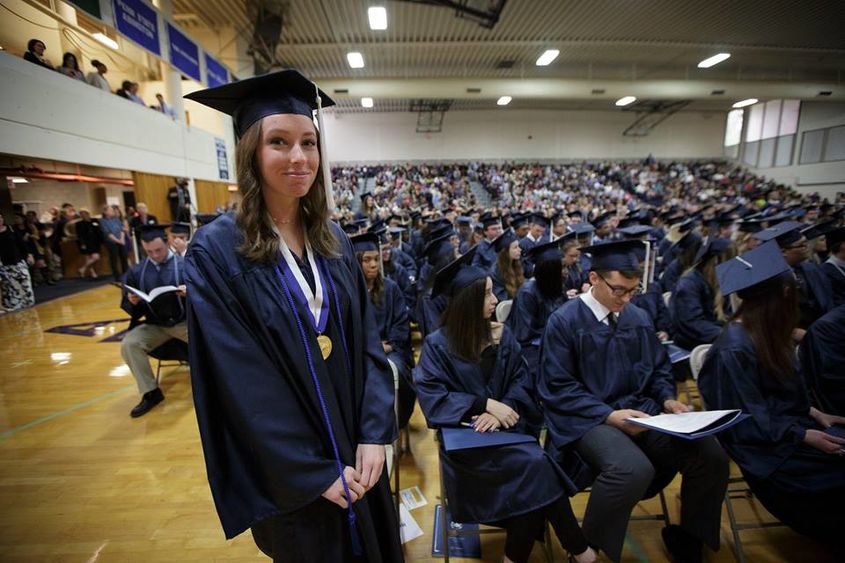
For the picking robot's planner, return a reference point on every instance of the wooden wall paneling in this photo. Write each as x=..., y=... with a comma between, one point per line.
x=211, y=195
x=152, y=190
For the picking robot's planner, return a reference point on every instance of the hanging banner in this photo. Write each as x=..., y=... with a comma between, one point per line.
x=215, y=73
x=138, y=22
x=222, y=161
x=184, y=53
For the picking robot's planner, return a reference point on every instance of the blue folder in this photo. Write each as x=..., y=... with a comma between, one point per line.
x=459, y=546
x=676, y=353
x=467, y=439
x=836, y=430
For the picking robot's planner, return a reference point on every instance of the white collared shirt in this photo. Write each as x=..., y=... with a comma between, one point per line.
x=600, y=311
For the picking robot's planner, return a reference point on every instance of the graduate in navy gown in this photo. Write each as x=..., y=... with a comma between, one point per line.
x=815, y=295
x=437, y=253
x=600, y=364
x=485, y=255
x=650, y=299
x=507, y=274
x=391, y=318
x=686, y=250
x=822, y=355
x=834, y=266
x=574, y=277
x=792, y=465
x=698, y=308
x=471, y=372
x=293, y=392
x=537, y=299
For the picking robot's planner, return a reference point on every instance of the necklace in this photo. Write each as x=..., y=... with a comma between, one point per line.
x=281, y=221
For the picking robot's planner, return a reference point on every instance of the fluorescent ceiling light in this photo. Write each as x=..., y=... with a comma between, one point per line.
x=748, y=102
x=625, y=101
x=18, y=180
x=378, y=17
x=356, y=59
x=504, y=100
x=106, y=40
x=547, y=57
x=367, y=102
x=714, y=60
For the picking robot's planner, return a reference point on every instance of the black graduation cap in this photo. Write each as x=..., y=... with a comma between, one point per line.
x=546, y=252
x=438, y=232
x=464, y=220
x=249, y=100
x=152, y=232
x=365, y=242
x=205, y=218
x=576, y=213
x=615, y=255
x=582, y=228
x=785, y=233
x=744, y=272
x=350, y=228
x=457, y=275
x=488, y=219
x=751, y=225
x=396, y=231
x=437, y=247
x=632, y=221
x=602, y=218
x=539, y=219
x=819, y=229
x=635, y=231
x=504, y=240
x=365, y=194
x=835, y=236
x=713, y=247
x=180, y=228
x=518, y=220
x=377, y=226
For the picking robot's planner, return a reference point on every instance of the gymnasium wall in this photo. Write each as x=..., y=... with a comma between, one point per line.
x=521, y=134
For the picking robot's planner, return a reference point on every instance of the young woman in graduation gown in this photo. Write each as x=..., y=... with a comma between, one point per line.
x=471, y=371
x=698, y=309
x=507, y=274
x=792, y=465
x=293, y=393
x=392, y=320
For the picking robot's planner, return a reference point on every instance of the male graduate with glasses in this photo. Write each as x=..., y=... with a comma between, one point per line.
x=601, y=363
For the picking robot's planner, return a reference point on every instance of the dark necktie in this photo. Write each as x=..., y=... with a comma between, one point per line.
x=611, y=321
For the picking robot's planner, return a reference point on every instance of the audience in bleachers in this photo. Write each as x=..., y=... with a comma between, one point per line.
x=97, y=78
x=70, y=67
x=35, y=53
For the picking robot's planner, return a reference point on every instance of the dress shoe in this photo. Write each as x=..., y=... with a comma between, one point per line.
x=148, y=401
x=682, y=546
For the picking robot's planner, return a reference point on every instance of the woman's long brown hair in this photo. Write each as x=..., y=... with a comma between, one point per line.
x=467, y=331
x=708, y=270
x=261, y=241
x=510, y=271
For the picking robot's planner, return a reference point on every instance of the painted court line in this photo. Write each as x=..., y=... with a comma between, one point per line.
x=76, y=407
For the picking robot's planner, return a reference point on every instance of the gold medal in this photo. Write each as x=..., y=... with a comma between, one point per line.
x=325, y=344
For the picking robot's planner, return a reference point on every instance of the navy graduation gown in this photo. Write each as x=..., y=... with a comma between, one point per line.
x=168, y=309
x=265, y=441
x=655, y=307
x=693, y=316
x=400, y=276
x=485, y=256
x=815, y=293
x=529, y=314
x=671, y=275
x=392, y=320
x=836, y=278
x=405, y=260
x=487, y=484
x=822, y=355
x=588, y=370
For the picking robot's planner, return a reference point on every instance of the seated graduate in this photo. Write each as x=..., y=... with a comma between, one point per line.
x=650, y=299
x=391, y=318
x=815, y=296
x=698, y=309
x=164, y=317
x=834, y=266
x=822, y=355
x=574, y=278
x=746, y=229
x=471, y=372
x=437, y=253
x=794, y=467
x=537, y=299
x=685, y=251
x=180, y=235
x=600, y=364
x=293, y=392
x=507, y=274
x=485, y=256
x=400, y=251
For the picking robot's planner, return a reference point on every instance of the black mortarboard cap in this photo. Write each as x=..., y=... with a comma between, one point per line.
x=754, y=267
x=576, y=213
x=180, y=228
x=582, y=228
x=365, y=194
x=504, y=240
x=713, y=247
x=545, y=252
x=628, y=222
x=635, y=231
x=539, y=219
x=751, y=225
x=457, y=275
x=252, y=99
x=602, y=218
x=488, y=219
x=835, y=236
x=819, y=229
x=205, y=218
x=438, y=247
x=150, y=232
x=615, y=256
x=396, y=231
x=365, y=242
x=350, y=228
x=518, y=220
x=464, y=220
x=785, y=233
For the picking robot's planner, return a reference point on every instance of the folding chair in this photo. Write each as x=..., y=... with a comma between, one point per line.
x=667, y=297
x=503, y=310
x=737, y=487
x=396, y=446
x=174, y=352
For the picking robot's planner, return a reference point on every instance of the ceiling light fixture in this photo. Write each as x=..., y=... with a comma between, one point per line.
x=627, y=100
x=378, y=17
x=18, y=180
x=714, y=60
x=367, y=102
x=106, y=40
x=356, y=59
x=748, y=102
x=547, y=57
x=504, y=100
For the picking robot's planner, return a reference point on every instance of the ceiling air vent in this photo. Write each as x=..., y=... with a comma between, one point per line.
x=341, y=90
x=598, y=91
x=473, y=90
x=504, y=65
x=717, y=92
x=825, y=93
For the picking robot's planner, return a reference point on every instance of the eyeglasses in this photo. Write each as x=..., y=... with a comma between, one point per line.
x=621, y=291
x=798, y=245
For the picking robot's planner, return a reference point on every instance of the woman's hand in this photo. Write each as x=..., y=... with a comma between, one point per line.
x=675, y=407
x=369, y=462
x=387, y=347
x=337, y=495
x=826, y=420
x=506, y=416
x=485, y=423
x=824, y=442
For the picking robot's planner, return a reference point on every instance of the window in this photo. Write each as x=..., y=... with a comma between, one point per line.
x=789, y=117
x=733, y=128
x=834, y=148
x=811, y=146
x=755, y=123
x=771, y=119
x=767, y=153
x=752, y=150
x=783, y=153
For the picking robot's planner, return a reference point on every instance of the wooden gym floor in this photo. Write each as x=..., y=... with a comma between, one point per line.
x=81, y=481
